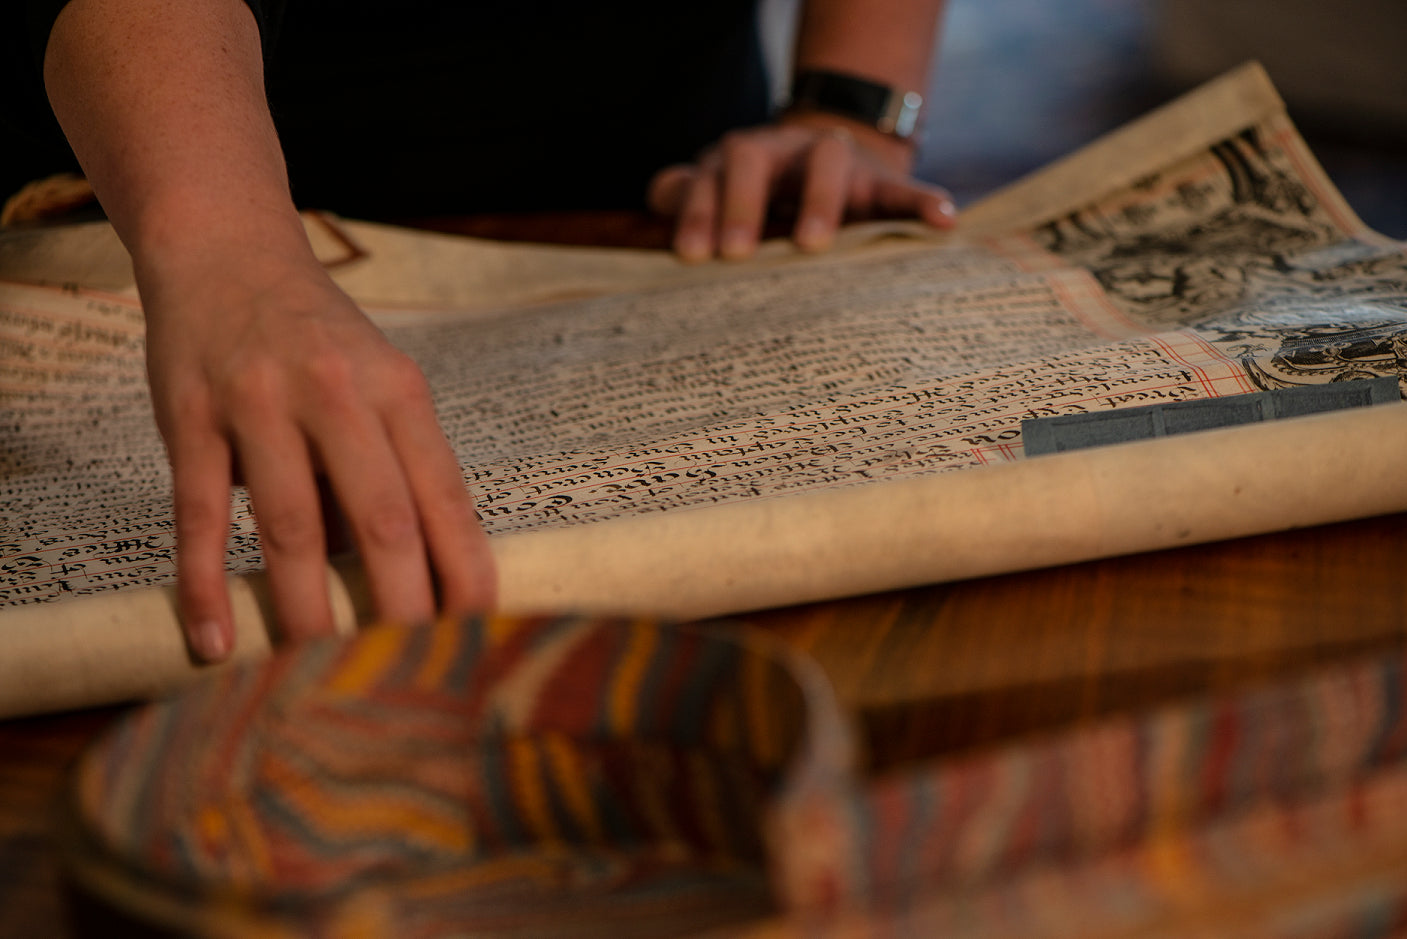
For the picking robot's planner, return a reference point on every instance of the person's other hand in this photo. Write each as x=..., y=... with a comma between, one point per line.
x=828, y=168
x=261, y=366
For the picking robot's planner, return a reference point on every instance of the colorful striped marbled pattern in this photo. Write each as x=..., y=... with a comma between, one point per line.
x=582, y=777
x=499, y=772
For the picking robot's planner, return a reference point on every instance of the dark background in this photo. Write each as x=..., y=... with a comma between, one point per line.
x=1022, y=82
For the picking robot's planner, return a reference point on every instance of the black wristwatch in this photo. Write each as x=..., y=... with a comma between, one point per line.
x=888, y=110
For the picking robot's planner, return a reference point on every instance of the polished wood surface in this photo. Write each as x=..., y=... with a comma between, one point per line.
x=939, y=669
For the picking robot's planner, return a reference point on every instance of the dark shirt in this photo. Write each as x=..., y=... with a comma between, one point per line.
x=427, y=107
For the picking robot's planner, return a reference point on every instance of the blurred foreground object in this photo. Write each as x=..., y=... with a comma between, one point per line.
x=619, y=778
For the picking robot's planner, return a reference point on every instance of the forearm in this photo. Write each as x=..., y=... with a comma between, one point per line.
x=163, y=104
x=887, y=41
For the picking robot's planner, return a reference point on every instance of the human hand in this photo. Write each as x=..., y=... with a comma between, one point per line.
x=262, y=366
x=828, y=167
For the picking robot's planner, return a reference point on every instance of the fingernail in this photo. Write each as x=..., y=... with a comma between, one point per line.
x=813, y=233
x=948, y=208
x=209, y=641
x=736, y=242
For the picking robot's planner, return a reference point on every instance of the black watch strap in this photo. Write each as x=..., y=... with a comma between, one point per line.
x=887, y=109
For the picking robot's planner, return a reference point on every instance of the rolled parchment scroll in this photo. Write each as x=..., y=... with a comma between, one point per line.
x=726, y=559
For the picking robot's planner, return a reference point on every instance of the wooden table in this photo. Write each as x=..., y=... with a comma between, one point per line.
x=938, y=669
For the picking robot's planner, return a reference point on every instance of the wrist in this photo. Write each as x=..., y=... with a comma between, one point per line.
x=181, y=232
x=893, y=152
x=890, y=109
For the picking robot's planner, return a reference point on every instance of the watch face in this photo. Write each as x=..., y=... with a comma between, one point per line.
x=905, y=109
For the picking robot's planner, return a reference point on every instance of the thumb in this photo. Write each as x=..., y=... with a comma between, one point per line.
x=910, y=198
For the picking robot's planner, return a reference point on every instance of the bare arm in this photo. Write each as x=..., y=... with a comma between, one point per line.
x=829, y=163
x=890, y=41
x=163, y=103
x=256, y=359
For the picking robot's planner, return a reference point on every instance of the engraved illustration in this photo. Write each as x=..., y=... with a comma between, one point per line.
x=1194, y=241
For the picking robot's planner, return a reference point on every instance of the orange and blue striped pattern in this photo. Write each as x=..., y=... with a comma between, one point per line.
x=489, y=769
x=547, y=777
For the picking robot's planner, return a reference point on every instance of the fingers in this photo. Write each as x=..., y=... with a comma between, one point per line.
x=721, y=202
x=376, y=501
x=457, y=544
x=823, y=199
x=896, y=196
x=694, y=236
x=200, y=466
x=403, y=495
x=278, y=472
x=747, y=179
x=398, y=487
